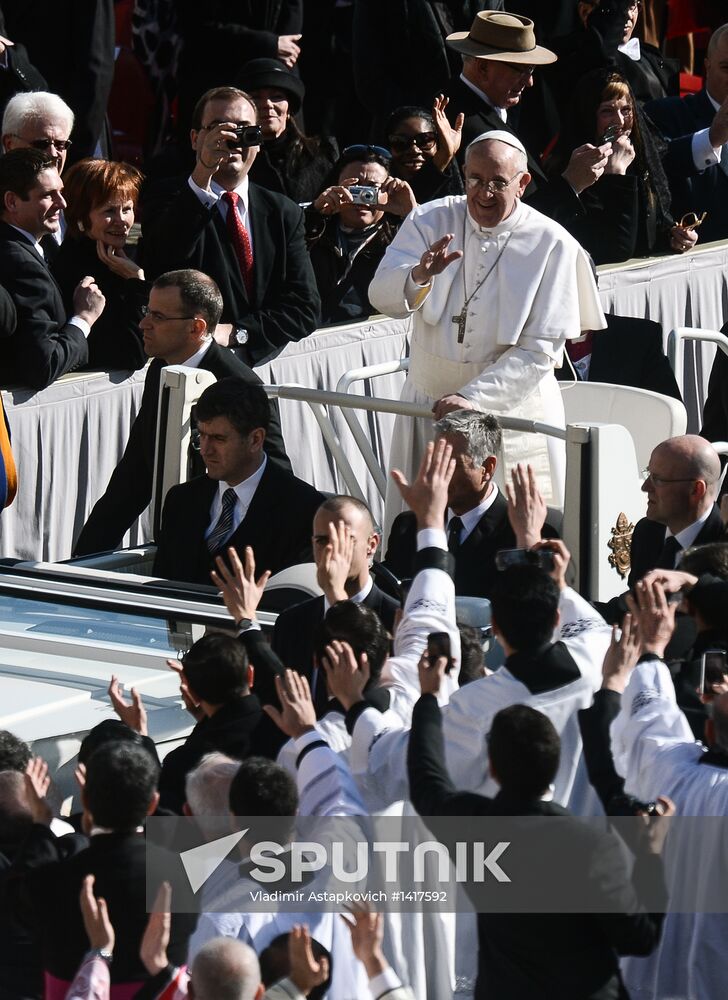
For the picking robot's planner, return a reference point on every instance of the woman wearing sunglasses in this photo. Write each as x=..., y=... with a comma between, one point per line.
x=349, y=225
x=423, y=145
x=101, y=199
x=626, y=213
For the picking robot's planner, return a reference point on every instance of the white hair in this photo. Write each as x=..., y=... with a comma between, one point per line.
x=225, y=969
x=37, y=104
x=207, y=787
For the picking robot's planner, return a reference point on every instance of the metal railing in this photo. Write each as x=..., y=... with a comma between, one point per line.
x=675, y=340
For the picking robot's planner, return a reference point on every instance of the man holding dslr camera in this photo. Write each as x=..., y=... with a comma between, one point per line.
x=249, y=239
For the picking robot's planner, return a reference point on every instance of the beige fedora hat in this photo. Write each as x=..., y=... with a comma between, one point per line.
x=502, y=36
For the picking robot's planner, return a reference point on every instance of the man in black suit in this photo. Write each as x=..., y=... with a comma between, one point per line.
x=217, y=679
x=337, y=519
x=244, y=500
x=46, y=344
x=17, y=73
x=46, y=877
x=528, y=955
x=184, y=309
x=628, y=352
x=499, y=58
x=681, y=486
x=697, y=126
x=477, y=517
x=715, y=411
x=250, y=239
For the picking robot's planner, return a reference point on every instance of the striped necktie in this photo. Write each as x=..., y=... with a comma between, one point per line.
x=224, y=527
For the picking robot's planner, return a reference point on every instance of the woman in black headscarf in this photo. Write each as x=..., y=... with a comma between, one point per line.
x=288, y=161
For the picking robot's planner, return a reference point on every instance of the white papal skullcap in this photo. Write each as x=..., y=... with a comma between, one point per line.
x=502, y=136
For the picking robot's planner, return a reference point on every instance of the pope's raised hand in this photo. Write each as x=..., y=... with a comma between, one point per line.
x=435, y=259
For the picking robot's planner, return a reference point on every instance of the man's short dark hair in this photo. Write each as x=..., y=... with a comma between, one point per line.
x=20, y=170
x=361, y=628
x=114, y=731
x=338, y=505
x=245, y=404
x=216, y=669
x=14, y=753
x=121, y=780
x=197, y=291
x=524, y=750
x=219, y=94
x=524, y=604
x=709, y=558
x=263, y=788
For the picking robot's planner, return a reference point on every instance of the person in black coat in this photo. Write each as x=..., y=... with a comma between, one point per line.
x=217, y=680
x=18, y=75
x=8, y=315
x=627, y=212
x=679, y=119
x=101, y=201
x=295, y=632
x=346, y=240
x=477, y=520
x=289, y=162
x=129, y=491
x=47, y=873
x=535, y=954
x=46, y=344
x=244, y=500
x=605, y=39
x=628, y=352
x=260, y=263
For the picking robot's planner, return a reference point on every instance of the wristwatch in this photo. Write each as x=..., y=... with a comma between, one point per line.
x=101, y=953
x=240, y=335
x=245, y=623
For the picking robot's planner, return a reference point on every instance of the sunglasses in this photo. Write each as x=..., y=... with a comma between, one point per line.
x=367, y=150
x=60, y=144
x=424, y=140
x=691, y=220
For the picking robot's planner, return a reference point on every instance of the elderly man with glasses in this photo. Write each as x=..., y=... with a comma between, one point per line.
x=495, y=290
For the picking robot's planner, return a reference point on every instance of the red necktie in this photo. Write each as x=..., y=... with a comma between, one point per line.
x=239, y=239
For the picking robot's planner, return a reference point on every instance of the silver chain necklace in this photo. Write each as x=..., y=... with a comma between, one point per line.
x=461, y=318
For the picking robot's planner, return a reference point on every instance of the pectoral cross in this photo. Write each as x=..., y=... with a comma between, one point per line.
x=461, y=319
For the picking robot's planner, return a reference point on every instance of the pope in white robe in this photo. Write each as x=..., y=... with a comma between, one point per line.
x=495, y=290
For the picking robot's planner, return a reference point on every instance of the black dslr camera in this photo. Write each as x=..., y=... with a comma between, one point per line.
x=246, y=135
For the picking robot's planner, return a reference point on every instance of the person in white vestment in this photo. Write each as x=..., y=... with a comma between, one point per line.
x=654, y=749
x=495, y=289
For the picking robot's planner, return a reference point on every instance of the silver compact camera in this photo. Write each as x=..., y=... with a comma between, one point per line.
x=364, y=194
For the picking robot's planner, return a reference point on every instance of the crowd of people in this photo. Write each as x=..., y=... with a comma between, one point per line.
x=467, y=166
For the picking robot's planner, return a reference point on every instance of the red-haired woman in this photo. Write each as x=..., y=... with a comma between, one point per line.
x=101, y=199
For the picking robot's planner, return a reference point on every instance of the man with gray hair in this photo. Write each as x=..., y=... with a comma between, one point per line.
x=495, y=289
x=477, y=519
x=40, y=120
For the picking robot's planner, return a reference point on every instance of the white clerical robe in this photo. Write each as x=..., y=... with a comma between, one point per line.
x=536, y=295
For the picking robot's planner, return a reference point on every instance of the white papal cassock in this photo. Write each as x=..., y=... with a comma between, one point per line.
x=540, y=293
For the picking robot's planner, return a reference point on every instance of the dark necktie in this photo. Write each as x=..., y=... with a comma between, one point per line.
x=669, y=552
x=240, y=240
x=224, y=527
x=453, y=535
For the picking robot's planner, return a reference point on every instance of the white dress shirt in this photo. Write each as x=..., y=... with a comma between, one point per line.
x=245, y=492
x=501, y=112
x=194, y=361
x=704, y=153
x=214, y=197
x=471, y=518
x=358, y=597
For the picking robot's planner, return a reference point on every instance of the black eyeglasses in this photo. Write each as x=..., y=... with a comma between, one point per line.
x=158, y=317
x=366, y=150
x=60, y=144
x=423, y=140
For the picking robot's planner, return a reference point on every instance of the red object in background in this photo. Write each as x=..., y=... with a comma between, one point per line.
x=686, y=16
x=123, y=10
x=690, y=84
x=130, y=108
